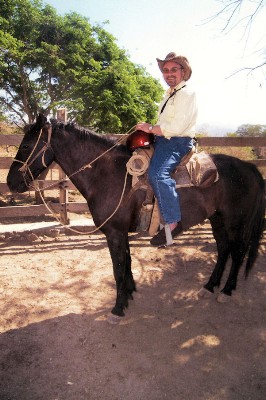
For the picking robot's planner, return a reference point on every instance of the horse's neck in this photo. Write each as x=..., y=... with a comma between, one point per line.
x=80, y=159
x=74, y=153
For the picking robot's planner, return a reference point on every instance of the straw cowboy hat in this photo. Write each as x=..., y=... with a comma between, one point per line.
x=179, y=60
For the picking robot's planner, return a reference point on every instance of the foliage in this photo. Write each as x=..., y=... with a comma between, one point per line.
x=251, y=130
x=2, y=114
x=246, y=130
x=49, y=61
x=244, y=153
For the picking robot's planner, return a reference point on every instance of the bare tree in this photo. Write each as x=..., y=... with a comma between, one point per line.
x=233, y=7
x=234, y=15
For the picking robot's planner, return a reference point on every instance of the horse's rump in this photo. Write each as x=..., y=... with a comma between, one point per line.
x=199, y=170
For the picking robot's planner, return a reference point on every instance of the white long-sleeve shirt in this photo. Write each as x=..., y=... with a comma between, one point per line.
x=180, y=113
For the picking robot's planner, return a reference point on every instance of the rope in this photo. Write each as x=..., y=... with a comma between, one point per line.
x=37, y=189
x=137, y=165
x=25, y=164
x=89, y=165
x=25, y=167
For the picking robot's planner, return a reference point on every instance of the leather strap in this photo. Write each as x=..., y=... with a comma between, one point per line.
x=174, y=92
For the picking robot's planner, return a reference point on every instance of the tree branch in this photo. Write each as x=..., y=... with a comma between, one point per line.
x=250, y=69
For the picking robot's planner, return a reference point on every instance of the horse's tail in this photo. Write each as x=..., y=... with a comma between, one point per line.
x=257, y=222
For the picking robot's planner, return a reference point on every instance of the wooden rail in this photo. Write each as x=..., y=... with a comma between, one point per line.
x=64, y=206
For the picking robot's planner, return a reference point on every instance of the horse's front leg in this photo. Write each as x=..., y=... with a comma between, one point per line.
x=130, y=283
x=125, y=285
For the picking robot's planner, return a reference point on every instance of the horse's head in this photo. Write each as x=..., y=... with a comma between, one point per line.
x=33, y=157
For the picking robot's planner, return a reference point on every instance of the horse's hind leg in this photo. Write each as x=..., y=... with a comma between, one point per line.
x=238, y=254
x=223, y=249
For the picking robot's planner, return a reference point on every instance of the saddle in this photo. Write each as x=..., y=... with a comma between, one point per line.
x=195, y=169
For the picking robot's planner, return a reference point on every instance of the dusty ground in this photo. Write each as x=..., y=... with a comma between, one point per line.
x=55, y=343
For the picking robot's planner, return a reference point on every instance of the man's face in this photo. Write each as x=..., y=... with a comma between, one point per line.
x=173, y=73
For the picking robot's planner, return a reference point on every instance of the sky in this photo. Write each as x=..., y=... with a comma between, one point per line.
x=147, y=29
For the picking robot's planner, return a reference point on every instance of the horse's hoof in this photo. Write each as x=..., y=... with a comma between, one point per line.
x=114, y=319
x=204, y=293
x=223, y=298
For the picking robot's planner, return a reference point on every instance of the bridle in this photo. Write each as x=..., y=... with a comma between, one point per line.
x=29, y=161
x=47, y=145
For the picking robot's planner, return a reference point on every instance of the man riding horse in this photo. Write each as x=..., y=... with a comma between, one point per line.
x=174, y=133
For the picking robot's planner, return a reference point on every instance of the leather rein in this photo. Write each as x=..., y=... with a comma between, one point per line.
x=47, y=145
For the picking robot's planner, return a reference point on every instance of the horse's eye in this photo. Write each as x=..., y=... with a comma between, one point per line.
x=25, y=146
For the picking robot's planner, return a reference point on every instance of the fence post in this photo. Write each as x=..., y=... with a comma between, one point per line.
x=61, y=115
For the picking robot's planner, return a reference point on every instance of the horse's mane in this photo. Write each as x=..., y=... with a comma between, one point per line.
x=87, y=134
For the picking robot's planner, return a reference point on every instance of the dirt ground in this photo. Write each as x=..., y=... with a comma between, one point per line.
x=57, y=288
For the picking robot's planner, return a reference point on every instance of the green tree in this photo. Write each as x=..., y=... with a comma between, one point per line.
x=251, y=130
x=49, y=61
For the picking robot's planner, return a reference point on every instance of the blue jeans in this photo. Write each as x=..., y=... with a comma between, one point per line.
x=167, y=155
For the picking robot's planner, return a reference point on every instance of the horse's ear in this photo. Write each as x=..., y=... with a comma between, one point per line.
x=40, y=121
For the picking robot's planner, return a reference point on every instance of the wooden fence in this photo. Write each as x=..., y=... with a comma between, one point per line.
x=63, y=185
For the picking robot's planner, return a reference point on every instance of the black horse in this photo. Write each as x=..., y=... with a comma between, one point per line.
x=235, y=205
